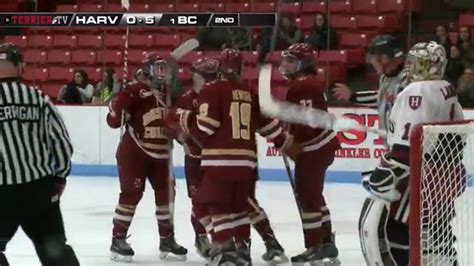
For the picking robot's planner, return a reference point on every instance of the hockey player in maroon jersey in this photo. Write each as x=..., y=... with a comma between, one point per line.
x=230, y=67
x=317, y=154
x=203, y=70
x=143, y=153
x=225, y=125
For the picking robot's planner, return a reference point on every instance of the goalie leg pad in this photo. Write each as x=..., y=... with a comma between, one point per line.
x=372, y=223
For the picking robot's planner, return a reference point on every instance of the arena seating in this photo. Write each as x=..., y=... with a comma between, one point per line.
x=356, y=22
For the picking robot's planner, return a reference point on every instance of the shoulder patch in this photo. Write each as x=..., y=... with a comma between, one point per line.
x=414, y=101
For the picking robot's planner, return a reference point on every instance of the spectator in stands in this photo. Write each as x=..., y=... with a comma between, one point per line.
x=442, y=38
x=466, y=88
x=238, y=38
x=107, y=88
x=464, y=38
x=77, y=91
x=465, y=45
x=322, y=36
x=287, y=34
x=455, y=67
x=212, y=38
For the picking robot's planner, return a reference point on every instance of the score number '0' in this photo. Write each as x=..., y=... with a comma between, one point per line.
x=132, y=20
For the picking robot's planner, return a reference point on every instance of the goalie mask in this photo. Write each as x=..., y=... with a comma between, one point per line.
x=204, y=70
x=426, y=61
x=155, y=68
x=298, y=58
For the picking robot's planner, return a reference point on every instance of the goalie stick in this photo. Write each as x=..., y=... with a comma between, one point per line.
x=294, y=113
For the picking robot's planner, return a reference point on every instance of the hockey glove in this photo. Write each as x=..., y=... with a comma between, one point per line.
x=382, y=182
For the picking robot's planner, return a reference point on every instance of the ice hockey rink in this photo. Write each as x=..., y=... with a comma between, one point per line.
x=89, y=202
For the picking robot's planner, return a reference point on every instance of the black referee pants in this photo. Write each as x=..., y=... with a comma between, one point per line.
x=35, y=208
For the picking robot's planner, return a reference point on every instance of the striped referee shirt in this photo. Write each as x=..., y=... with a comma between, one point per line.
x=34, y=141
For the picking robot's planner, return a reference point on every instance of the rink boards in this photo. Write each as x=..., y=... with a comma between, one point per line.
x=95, y=145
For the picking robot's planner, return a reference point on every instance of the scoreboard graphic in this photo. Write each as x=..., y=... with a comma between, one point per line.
x=137, y=19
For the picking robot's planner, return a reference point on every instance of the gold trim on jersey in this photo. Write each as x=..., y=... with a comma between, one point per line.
x=154, y=146
x=269, y=126
x=310, y=215
x=237, y=152
x=209, y=120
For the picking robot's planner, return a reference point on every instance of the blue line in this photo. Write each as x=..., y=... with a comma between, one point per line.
x=266, y=174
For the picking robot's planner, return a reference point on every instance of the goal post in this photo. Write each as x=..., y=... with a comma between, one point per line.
x=441, y=216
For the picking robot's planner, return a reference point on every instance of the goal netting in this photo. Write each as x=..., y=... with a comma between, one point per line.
x=442, y=194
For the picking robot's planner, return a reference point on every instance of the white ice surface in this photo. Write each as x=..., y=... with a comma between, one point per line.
x=88, y=205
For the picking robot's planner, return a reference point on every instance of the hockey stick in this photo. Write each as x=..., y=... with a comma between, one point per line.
x=294, y=113
x=126, y=5
x=177, y=54
x=292, y=182
x=184, y=49
x=264, y=82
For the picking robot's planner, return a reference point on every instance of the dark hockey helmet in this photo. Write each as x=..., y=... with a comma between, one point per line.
x=206, y=67
x=154, y=66
x=385, y=45
x=10, y=52
x=230, y=61
x=299, y=57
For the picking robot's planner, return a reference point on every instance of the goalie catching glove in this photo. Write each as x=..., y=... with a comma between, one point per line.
x=382, y=182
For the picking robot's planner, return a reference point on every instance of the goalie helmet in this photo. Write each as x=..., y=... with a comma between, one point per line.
x=11, y=53
x=230, y=61
x=426, y=61
x=298, y=58
x=154, y=67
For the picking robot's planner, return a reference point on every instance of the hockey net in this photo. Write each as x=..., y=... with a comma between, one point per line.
x=442, y=194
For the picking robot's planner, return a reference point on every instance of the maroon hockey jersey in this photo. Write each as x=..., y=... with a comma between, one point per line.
x=189, y=101
x=305, y=90
x=144, y=110
x=228, y=118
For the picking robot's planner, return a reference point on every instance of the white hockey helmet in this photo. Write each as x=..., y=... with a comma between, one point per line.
x=426, y=61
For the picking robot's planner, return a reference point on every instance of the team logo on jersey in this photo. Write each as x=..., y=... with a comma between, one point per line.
x=145, y=94
x=414, y=102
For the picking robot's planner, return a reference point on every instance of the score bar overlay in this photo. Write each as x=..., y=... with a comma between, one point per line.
x=12, y=20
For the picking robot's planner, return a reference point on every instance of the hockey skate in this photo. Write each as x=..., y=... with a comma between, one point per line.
x=326, y=255
x=203, y=246
x=120, y=250
x=223, y=257
x=243, y=254
x=170, y=250
x=275, y=253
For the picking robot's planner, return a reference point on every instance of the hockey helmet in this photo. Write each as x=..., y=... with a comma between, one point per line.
x=230, y=61
x=204, y=70
x=426, y=61
x=385, y=45
x=10, y=52
x=206, y=67
x=154, y=67
x=298, y=57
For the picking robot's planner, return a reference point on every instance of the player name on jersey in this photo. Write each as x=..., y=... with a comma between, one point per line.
x=138, y=19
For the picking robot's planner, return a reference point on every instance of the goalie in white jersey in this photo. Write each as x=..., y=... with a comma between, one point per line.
x=383, y=226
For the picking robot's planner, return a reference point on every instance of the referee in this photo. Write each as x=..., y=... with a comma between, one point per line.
x=35, y=158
